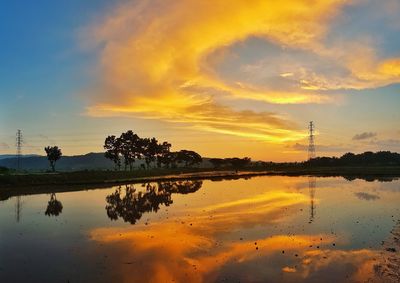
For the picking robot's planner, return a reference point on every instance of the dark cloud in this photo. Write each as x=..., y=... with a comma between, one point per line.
x=364, y=136
x=366, y=196
x=320, y=148
x=388, y=143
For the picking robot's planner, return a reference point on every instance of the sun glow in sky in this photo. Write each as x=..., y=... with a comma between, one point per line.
x=224, y=78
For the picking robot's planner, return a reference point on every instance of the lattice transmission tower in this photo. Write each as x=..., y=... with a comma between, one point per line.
x=311, y=145
x=18, y=143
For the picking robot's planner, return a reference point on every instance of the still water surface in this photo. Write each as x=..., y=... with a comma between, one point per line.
x=263, y=229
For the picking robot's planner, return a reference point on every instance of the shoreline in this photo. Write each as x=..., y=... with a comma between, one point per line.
x=36, y=183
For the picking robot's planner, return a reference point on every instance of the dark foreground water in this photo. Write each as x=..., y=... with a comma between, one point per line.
x=264, y=229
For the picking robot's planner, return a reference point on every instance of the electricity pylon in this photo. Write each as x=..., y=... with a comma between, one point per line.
x=311, y=145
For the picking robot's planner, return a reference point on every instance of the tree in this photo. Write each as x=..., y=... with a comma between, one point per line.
x=150, y=150
x=53, y=154
x=188, y=157
x=131, y=148
x=162, y=154
x=112, y=145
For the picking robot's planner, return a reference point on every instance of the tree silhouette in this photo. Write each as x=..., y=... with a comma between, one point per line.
x=131, y=147
x=238, y=162
x=53, y=154
x=217, y=162
x=112, y=145
x=150, y=150
x=188, y=157
x=54, y=207
x=380, y=158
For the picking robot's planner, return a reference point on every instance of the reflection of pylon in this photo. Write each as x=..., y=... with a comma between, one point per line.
x=312, y=182
x=311, y=146
x=18, y=208
x=18, y=143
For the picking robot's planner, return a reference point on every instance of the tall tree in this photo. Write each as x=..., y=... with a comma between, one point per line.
x=150, y=150
x=53, y=155
x=112, y=145
x=163, y=154
x=131, y=148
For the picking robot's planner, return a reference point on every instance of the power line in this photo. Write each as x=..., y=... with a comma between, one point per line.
x=311, y=145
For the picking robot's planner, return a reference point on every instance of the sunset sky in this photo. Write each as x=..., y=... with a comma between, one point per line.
x=224, y=78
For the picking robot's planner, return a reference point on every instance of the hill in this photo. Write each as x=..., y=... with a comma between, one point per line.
x=90, y=161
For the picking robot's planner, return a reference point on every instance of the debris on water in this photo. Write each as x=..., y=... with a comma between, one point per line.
x=241, y=239
x=393, y=250
x=283, y=252
x=333, y=244
x=317, y=247
x=296, y=255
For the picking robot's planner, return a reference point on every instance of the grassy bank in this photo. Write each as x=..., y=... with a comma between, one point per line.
x=13, y=183
x=114, y=177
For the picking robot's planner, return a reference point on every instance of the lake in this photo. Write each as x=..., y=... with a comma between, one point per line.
x=263, y=229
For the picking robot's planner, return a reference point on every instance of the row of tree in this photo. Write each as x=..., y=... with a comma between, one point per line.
x=129, y=147
x=230, y=162
x=380, y=158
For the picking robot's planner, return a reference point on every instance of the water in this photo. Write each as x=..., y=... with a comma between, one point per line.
x=263, y=229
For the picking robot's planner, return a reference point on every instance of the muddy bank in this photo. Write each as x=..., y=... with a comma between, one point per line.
x=388, y=268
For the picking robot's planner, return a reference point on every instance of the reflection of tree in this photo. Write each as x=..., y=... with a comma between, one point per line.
x=181, y=187
x=54, y=206
x=130, y=204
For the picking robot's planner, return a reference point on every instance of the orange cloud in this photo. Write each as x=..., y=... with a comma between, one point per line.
x=155, y=61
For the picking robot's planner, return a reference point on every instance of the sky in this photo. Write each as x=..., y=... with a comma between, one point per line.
x=223, y=78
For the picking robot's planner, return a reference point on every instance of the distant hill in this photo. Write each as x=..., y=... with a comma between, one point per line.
x=4, y=156
x=88, y=161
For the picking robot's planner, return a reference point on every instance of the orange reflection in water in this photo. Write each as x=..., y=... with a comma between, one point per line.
x=216, y=243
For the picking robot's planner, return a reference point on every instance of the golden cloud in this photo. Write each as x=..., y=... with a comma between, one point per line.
x=156, y=61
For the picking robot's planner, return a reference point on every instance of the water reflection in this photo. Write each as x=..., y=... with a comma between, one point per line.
x=312, y=183
x=252, y=230
x=54, y=206
x=18, y=208
x=130, y=204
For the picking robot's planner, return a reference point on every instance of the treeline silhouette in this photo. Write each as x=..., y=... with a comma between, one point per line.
x=130, y=204
x=130, y=147
x=235, y=162
x=380, y=158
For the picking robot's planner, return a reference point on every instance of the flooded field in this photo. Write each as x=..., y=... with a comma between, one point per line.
x=263, y=229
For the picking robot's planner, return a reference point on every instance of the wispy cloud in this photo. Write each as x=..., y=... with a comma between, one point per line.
x=4, y=145
x=320, y=148
x=364, y=136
